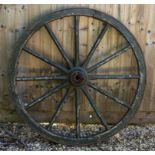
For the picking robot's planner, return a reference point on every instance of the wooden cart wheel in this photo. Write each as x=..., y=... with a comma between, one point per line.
x=89, y=79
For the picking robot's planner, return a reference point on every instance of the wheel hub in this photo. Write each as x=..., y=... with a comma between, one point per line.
x=77, y=77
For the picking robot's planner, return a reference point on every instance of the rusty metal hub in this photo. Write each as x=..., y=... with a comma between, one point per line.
x=78, y=77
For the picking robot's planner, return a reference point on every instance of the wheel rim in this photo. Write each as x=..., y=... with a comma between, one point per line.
x=78, y=76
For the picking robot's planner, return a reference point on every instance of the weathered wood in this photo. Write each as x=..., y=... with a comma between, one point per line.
x=139, y=19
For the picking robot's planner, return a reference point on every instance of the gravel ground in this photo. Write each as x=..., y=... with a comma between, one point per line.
x=21, y=137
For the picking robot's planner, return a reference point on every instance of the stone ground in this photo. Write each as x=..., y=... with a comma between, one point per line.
x=21, y=137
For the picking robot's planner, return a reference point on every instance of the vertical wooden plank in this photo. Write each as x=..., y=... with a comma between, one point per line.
x=125, y=59
x=150, y=56
x=45, y=45
x=7, y=42
x=33, y=62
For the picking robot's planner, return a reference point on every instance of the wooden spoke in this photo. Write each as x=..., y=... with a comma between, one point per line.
x=110, y=95
x=109, y=58
x=98, y=40
x=62, y=51
x=96, y=110
x=36, y=78
x=77, y=110
x=60, y=105
x=77, y=52
x=46, y=94
x=44, y=58
x=95, y=77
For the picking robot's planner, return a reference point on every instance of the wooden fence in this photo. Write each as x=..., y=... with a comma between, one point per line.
x=139, y=19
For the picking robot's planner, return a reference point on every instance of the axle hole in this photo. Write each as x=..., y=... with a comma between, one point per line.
x=77, y=77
